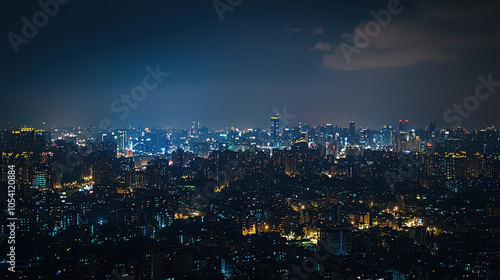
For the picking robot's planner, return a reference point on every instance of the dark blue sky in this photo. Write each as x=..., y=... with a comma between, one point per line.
x=263, y=56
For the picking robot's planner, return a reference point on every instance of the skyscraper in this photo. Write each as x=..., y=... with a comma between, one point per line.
x=404, y=125
x=353, y=139
x=387, y=136
x=27, y=140
x=275, y=130
x=432, y=126
x=42, y=176
x=122, y=141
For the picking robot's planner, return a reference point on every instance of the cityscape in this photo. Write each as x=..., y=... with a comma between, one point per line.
x=305, y=202
x=250, y=140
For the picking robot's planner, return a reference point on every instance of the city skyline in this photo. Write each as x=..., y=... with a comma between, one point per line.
x=197, y=203
x=291, y=124
x=250, y=140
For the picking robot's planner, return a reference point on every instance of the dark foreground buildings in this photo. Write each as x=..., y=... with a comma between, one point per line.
x=307, y=202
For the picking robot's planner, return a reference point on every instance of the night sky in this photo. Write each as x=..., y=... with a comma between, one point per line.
x=263, y=56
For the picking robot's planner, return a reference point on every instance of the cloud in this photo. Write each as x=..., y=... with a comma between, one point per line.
x=434, y=32
x=318, y=31
x=322, y=46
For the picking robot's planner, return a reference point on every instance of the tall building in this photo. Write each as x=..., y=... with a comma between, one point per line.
x=275, y=130
x=104, y=154
x=386, y=140
x=340, y=238
x=102, y=171
x=122, y=141
x=402, y=142
x=4, y=140
x=105, y=149
x=419, y=234
x=404, y=125
x=432, y=126
x=42, y=176
x=352, y=127
x=27, y=140
x=352, y=133
x=42, y=139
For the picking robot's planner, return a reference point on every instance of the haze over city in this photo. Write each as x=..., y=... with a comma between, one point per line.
x=250, y=140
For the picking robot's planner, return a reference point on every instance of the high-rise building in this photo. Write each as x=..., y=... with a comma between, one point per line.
x=4, y=140
x=404, y=125
x=103, y=166
x=353, y=137
x=42, y=177
x=386, y=140
x=352, y=128
x=419, y=234
x=432, y=126
x=340, y=238
x=102, y=171
x=27, y=140
x=105, y=149
x=122, y=141
x=275, y=130
x=402, y=141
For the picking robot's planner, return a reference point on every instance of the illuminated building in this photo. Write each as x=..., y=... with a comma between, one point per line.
x=275, y=130
x=42, y=177
x=387, y=139
x=353, y=137
x=340, y=238
x=122, y=141
x=403, y=125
